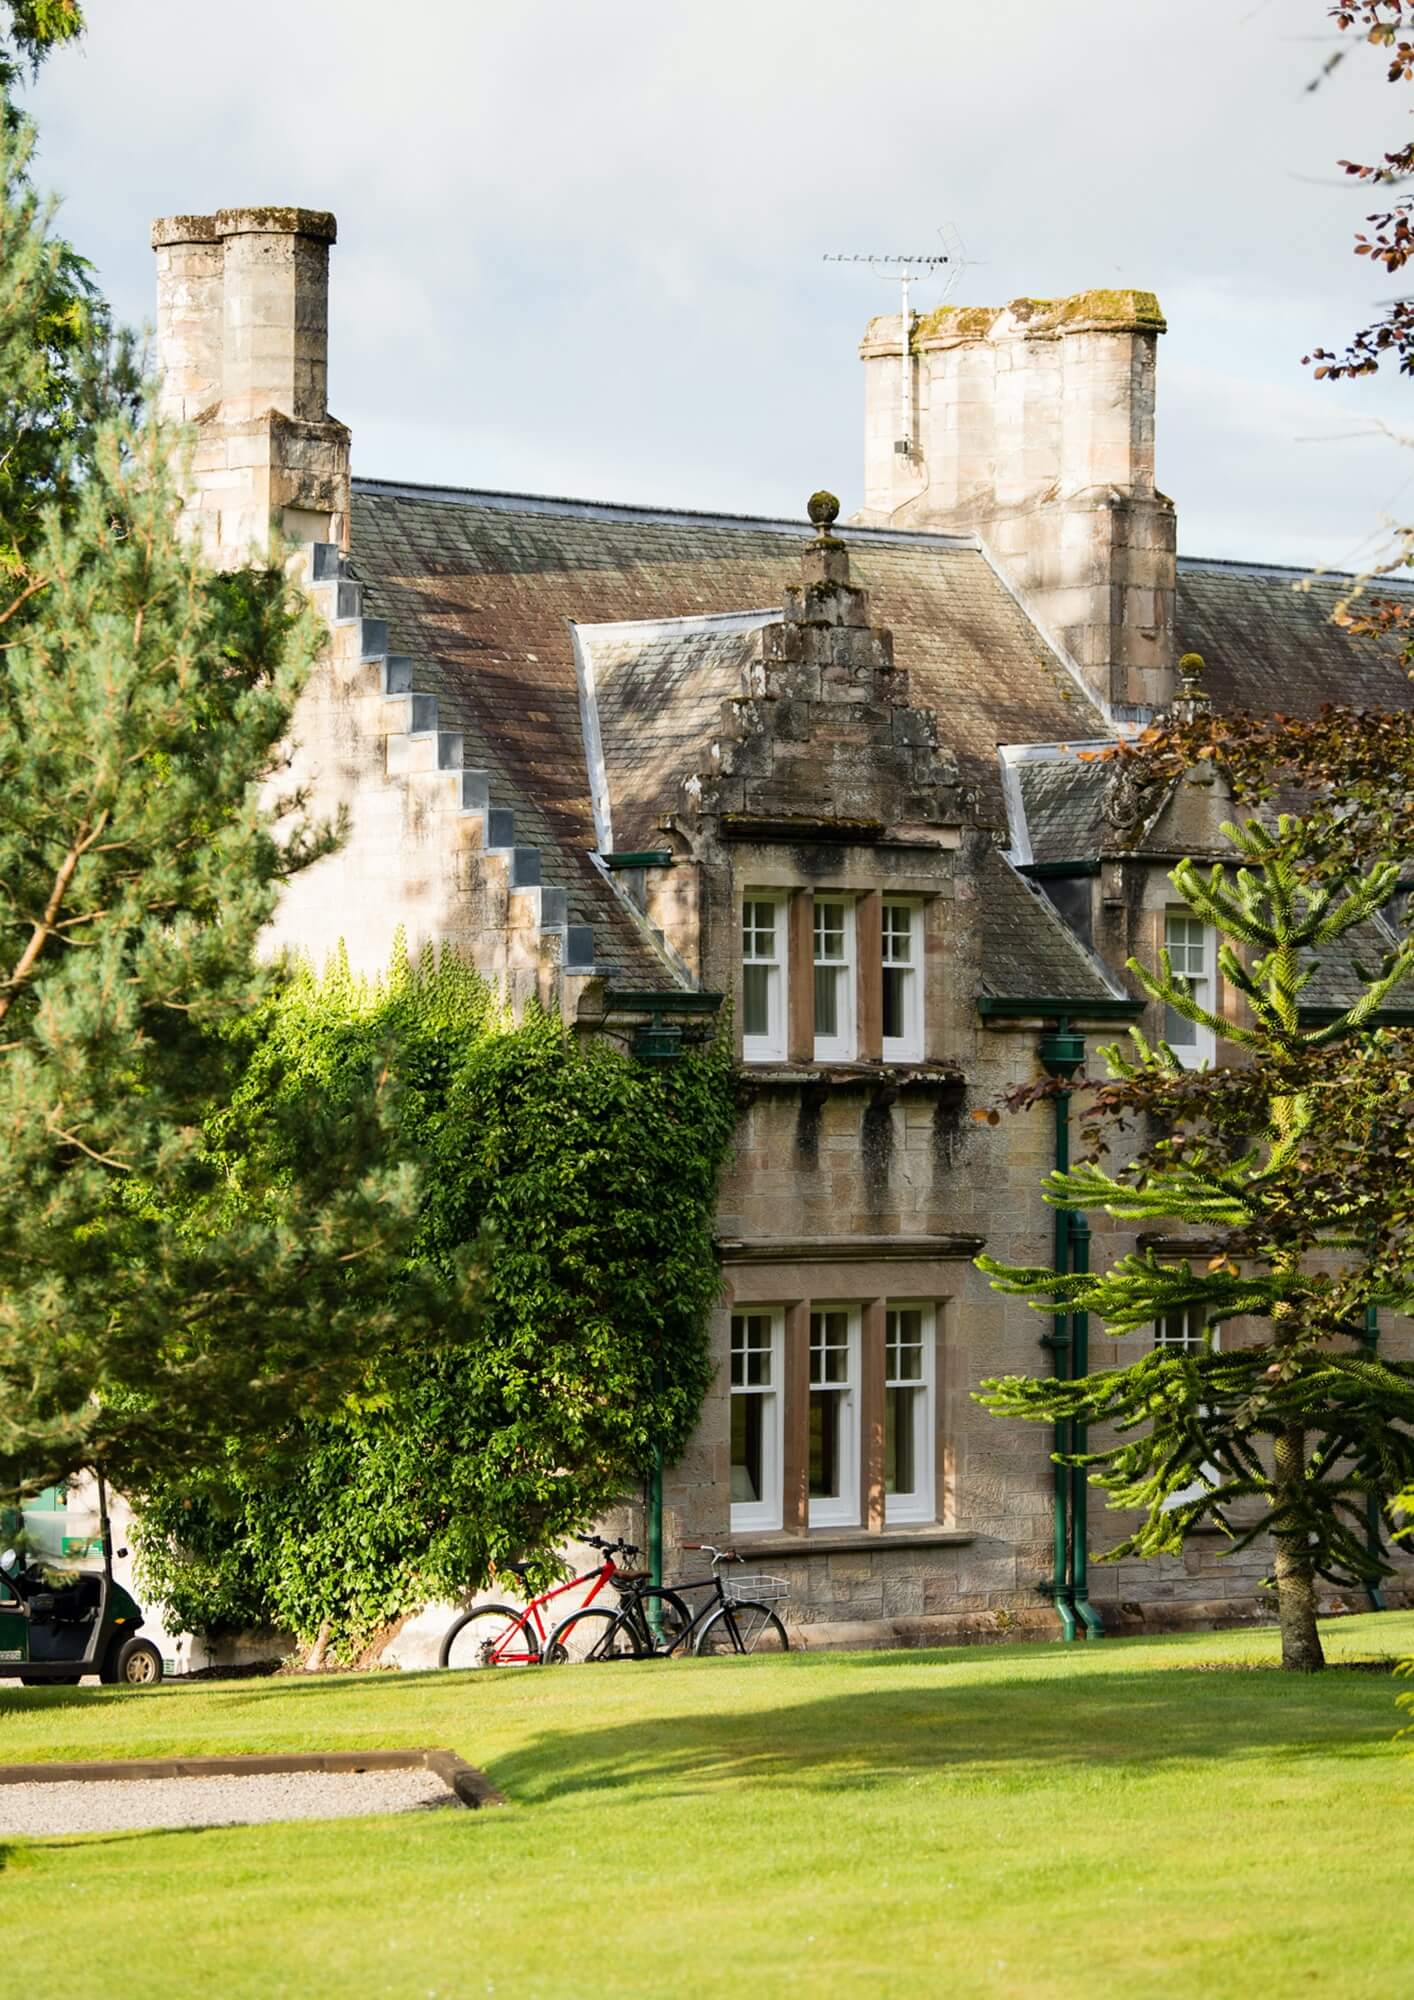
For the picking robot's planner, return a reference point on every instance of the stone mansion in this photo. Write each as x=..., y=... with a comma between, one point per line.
x=640, y=761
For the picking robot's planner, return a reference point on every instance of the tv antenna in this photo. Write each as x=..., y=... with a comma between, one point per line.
x=906, y=271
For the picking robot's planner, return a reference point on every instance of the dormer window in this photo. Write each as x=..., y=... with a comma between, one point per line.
x=1190, y=946
x=763, y=979
x=902, y=966
x=834, y=979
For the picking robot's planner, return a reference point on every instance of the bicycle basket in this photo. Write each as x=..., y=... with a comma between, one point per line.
x=761, y=1589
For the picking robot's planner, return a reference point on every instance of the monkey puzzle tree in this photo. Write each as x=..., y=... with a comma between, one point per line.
x=1291, y=1175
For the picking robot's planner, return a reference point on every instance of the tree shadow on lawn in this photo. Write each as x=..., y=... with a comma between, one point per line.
x=1004, y=1733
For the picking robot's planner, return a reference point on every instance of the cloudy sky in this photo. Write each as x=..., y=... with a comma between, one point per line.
x=580, y=245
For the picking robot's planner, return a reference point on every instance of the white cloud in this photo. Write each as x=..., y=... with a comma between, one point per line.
x=581, y=244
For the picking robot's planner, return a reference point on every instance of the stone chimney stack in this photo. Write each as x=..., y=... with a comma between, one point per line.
x=243, y=352
x=1035, y=431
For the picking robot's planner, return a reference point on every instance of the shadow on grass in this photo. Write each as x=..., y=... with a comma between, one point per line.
x=991, y=1734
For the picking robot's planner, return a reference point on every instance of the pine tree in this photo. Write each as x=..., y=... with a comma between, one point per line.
x=1279, y=1168
x=151, y=1306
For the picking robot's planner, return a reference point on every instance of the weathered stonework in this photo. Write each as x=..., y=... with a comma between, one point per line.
x=1035, y=430
x=243, y=336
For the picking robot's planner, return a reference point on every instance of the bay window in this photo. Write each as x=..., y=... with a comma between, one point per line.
x=1190, y=946
x=833, y=1439
x=763, y=979
x=756, y=1419
x=902, y=967
x=908, y=1413
x=834, y=979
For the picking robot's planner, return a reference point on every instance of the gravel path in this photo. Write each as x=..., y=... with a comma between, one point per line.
x=120, y=1803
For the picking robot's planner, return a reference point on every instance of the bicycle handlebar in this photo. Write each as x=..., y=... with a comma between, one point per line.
x=610, y=1548
x=717, y=1555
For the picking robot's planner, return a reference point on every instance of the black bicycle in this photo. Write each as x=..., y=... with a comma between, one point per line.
x=653, y=1621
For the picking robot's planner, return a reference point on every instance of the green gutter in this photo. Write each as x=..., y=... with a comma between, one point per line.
x=672, y=1000
x=647, y=857
x=1383, y=1017
x=991, y=1007
x=1055, y=871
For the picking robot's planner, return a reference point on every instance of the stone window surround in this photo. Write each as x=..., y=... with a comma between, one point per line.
x=866, y=915
x=871, y=1287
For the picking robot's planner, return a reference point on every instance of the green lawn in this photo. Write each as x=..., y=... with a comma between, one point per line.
x=1023, y=1821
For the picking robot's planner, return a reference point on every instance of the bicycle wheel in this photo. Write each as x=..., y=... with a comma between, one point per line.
x=490, y=1635
x=673, y=1617
x=591, y=1635
x=745, y=1627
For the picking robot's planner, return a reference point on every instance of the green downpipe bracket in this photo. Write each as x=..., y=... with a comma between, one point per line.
x=1374, y=1529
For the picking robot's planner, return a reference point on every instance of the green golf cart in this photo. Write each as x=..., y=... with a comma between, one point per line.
x=57, y=1626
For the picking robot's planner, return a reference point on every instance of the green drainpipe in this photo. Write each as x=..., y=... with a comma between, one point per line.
x=654, y=1512
x=1374, y=1537
x=1079, y=1483
x=1061, y=1055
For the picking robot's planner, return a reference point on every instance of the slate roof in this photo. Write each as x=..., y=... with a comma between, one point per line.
x=483, y=587
x=491, y=594
x=656, y=692
x=1061, y=799
x=1029, y=952
x=1269, y=642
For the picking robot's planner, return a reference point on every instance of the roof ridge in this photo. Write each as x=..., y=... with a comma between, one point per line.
x=623, y=510
x=1305, y=574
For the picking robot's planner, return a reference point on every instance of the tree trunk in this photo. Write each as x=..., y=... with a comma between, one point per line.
x=1296, y=1581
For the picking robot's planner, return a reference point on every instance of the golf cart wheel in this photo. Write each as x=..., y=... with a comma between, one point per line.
x=136, y=1663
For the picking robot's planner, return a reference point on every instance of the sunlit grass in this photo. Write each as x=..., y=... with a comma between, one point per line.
x=1020, y=1821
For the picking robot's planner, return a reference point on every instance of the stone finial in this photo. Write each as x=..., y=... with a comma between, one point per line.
x=824, y=510
x=1192, y=700
x=826, y=558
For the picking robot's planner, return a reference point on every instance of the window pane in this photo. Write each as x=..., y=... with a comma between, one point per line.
x=829, y=932
x=1179, y=1031
x=898, y=934
x=756, y=999
x=748, y=1436
x=895, y=1003
x=829, y=1347
x=758, y=930
x=827, y=1001
x=900, y=1441
x=826, y=1409
x=751, y=1348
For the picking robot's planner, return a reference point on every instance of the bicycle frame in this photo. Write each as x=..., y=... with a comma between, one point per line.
x=505, y=1654
x=639, y=1617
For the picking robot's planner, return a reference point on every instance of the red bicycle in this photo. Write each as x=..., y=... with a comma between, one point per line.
x=498, y=1635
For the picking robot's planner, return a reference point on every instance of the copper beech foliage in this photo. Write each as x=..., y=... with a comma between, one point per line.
x=1388, y=26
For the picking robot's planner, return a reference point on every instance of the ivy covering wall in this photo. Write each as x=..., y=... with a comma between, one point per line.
x=586, y=1181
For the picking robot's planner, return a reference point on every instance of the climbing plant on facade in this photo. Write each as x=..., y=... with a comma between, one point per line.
x=1288, y=1177
x=585, y=1182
